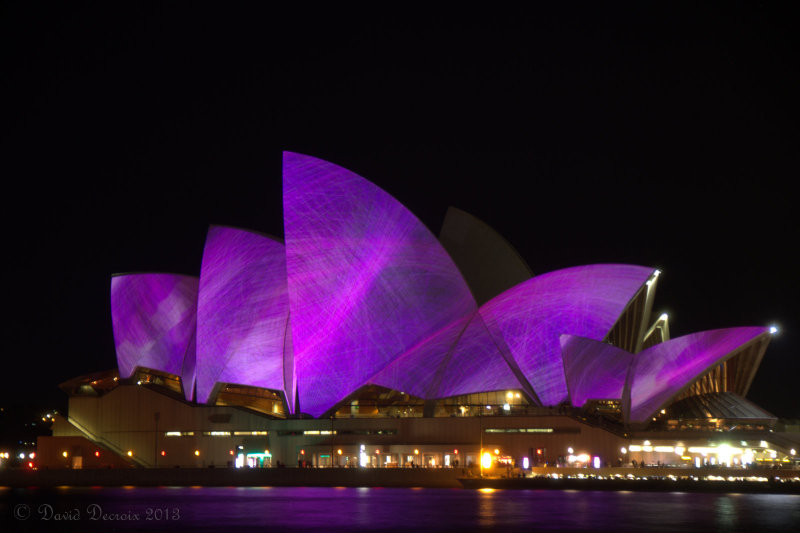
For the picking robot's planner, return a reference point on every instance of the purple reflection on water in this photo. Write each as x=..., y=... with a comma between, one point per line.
x=386, y=509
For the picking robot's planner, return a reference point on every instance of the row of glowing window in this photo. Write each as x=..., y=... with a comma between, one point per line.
x=328, y=432
x=519, y=430
x=163, y=453
x=214, y=433
x=723, y=449
x=308, y=432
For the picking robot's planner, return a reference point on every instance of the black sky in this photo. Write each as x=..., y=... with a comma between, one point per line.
x=656, y=135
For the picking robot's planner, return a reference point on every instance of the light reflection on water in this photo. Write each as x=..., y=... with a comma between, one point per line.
x=409, y=510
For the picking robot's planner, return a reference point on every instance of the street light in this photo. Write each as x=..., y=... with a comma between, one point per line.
x=340, y=451
x=486, y=461
x=156, y=416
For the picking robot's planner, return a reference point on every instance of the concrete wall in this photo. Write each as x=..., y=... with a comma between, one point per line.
x=75, y=452
x=123, y=420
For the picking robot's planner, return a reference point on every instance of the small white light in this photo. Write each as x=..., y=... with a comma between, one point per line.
x=773, y=330
x=623, y=450
x=570, y=450
x=663, y=316
x=792, y=451
x=506, y=407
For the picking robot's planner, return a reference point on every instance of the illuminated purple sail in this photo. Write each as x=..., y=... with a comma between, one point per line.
x=153, y=317
x=243, y=311
x=362, y=293
x=664, y=370
x=477, y=365
x=530, y=317
x=367, y=280
x=594, y=370
x=189, y=368
x=439, y=368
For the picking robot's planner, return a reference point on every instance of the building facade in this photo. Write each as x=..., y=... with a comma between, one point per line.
x=357, y=341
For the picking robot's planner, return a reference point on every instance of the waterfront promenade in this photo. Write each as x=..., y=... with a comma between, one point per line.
x=543, y=477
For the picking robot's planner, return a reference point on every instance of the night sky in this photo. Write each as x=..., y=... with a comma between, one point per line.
x=652, y=135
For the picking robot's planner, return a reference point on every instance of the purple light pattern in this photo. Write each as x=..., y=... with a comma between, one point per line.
x=477, y=365
x=242, y=313
x=367, y=280
x=594, y=370
x=663, y=370
x=189, y=368
x=153, y=317
x=458, y=359
x=375, y=299
x=584, y=301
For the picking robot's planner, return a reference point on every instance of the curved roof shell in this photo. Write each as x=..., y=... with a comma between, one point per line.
x=459, y=359
x=242, y=313
x=530, y=317
x=363, y=294
x=488, y=262
x=154, y=318
x=663, y=371
x=594, y=370
x=367, y=280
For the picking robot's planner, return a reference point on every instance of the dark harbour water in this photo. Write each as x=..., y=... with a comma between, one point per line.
x=383, y=509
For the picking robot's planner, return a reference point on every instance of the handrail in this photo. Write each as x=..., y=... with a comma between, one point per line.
x=105, y=442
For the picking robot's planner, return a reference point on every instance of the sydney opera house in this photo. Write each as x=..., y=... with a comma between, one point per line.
x=360, y=339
